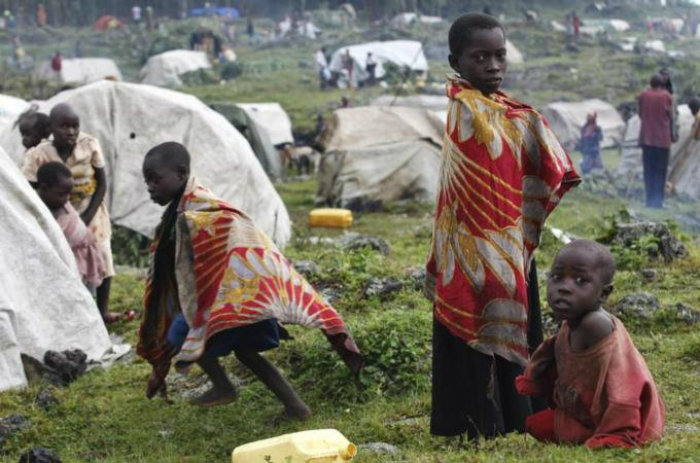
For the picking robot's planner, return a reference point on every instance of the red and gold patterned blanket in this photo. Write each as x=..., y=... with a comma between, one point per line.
x=230, y=274
x=503, y=171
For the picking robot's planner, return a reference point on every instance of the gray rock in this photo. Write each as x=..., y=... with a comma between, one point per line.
x=687, y=314
x=382, y=287
x=641, y=305
x=380, y=448
x=416, y=277
x=39, y=455
x=331, y=294
x=306, y=267
x=45, y=399
x=668, y=246
x=13, y=424
x=352, y=241
x=649, y=274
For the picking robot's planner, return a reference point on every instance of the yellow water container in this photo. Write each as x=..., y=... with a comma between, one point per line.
x=336, y=218
x=315, y=446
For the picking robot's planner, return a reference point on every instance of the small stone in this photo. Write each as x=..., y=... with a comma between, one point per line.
x=12, y=424
x=165, y=433
x=39, y=455
x=381, y=287
x=306, y=267
x=379, y=447
x=416, y=276
x=640, y=305
x=687, y=314
x=45, y=399
x=649, y=274
x=353, y=241
x=331, y=294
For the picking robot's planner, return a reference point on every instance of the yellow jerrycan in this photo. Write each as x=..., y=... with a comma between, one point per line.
x=315, y=446
x=336, y=218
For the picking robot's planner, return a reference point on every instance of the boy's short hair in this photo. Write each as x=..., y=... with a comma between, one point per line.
x=50, y=173
x=171, y=154
x=463, y=27
x=604, y=258
x=39, y=121
x=694, y=104
x=657, y=80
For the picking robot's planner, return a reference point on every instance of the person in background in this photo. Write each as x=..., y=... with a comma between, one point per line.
x=57, y=62
x=655, y=138
x=250, y=30
x=34, y=127
x=576, y=23
x=349, y=66
x=40, y=15
x=136, y=14
x=82, y=154
x=371, y=68
x=498, y=185
x=321, y=64
x=54, y=185
x=600, y=388
x=694, y=105
x=589, y=144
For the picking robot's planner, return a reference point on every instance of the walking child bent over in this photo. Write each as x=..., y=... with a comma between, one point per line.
x=591, y=136
x=503, y=172
x=601, y=390
x=218, y=285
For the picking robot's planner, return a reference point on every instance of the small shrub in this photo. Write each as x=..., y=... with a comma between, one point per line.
x=231, y=70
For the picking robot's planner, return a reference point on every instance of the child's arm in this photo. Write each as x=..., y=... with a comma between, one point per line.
x=98, y=197
x=541, y=372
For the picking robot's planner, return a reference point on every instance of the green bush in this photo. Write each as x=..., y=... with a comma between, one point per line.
x=129, y=248
x=231, y=70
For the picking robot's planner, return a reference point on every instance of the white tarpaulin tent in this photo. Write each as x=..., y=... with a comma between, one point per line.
x=10, y=108
x=566, y=120
x=684, y=171
x=273, y=118
x=513, y=55
x=379, y=154
x=434, y=103
x=129, y=119
x=43, y=303
x=80, y=70
x=406, y=19
x=403, y=53
x=165, y=69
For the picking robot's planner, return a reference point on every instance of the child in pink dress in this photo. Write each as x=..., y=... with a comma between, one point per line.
x=54, y=182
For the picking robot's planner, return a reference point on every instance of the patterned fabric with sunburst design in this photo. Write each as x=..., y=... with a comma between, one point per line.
x=230, y=274
x=503, y=171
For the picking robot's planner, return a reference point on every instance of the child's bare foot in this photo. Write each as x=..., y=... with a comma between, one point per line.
x=299, y=411
x=215, y=396
x=111, y=317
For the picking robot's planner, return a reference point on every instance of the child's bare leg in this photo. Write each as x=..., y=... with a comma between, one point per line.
x=222, y=391
x=273, y=379
x=103, y=301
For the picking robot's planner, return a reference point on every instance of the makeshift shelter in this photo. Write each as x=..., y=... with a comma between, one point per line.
x=129, y=119
x=10, y=108
x=375, y=154
x=256, y=135
x=513, y=55
x=106, y=22
x=684, y=169
x=403, y=53
x=80, y=71
x=407, y=19
x=434, y=103
x=567, y=118
x=43, y=302
x=273, y=118
x=221, y=12
x=165, y=69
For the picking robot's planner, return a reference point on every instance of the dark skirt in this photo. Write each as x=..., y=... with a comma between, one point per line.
x=260, y=336
x=474, y=393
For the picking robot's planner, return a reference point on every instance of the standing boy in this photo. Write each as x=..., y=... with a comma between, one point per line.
x=656, y=114
x=82, y=154
x=503, y=171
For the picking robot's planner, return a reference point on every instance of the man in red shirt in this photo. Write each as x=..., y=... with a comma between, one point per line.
x=656, y=114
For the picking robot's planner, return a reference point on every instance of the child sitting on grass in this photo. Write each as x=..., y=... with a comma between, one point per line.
x=54, y=185
x=218, y=284
x=34, y=127
x=602, y=392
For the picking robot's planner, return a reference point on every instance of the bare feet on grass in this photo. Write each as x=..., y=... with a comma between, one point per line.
x=215, y=397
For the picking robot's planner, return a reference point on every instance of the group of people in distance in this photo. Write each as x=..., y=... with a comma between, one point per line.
x=217, y=284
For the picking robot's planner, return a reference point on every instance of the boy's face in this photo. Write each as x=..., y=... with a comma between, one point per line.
x=163, y=181
x=30, y=136
x=575, y=285
x=65, y=129
x=56, y=196
x=483, y=61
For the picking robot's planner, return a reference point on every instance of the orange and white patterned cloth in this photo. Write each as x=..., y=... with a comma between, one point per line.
x=85, y=158
x=229, y=274
x=503, y=171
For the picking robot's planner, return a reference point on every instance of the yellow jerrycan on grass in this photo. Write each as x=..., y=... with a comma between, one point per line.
x=336, y=218
x=315, y=446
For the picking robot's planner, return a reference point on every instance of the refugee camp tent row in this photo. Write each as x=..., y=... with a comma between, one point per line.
x=129, y=119
x=166, y=69
x=10, y=108
x=43, y=302
x=434, y=103
x=256, y=134
x=567, y=118
x=79, y=71
x=273, y=118
x=403, y=53
x=377, y=154
x=408, y=19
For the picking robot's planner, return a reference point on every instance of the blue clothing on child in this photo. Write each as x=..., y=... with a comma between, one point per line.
x=590, y=148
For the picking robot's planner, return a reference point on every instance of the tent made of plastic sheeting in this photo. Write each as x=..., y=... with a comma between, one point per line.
x=129, y=119
x=256, y=135
x=43, y=302
x=406, y=19
x=684, y=171
x=403, y=53
x=612, y=25
x=434, y=103
x=80, y=71
x=630, y=166
x=165, y=69
x=222, y=12
x=513, y=55
x=655, y=46
x=566, y=120
x=10, y=108
x=379, y=154
x=273, y=118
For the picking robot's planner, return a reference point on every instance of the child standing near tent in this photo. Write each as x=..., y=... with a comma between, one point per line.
x=503, y=172
x=82, y=154
x=217, y=285
x=589, y=145
x=54, y=185
x=34, y=127
x=602, y=391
